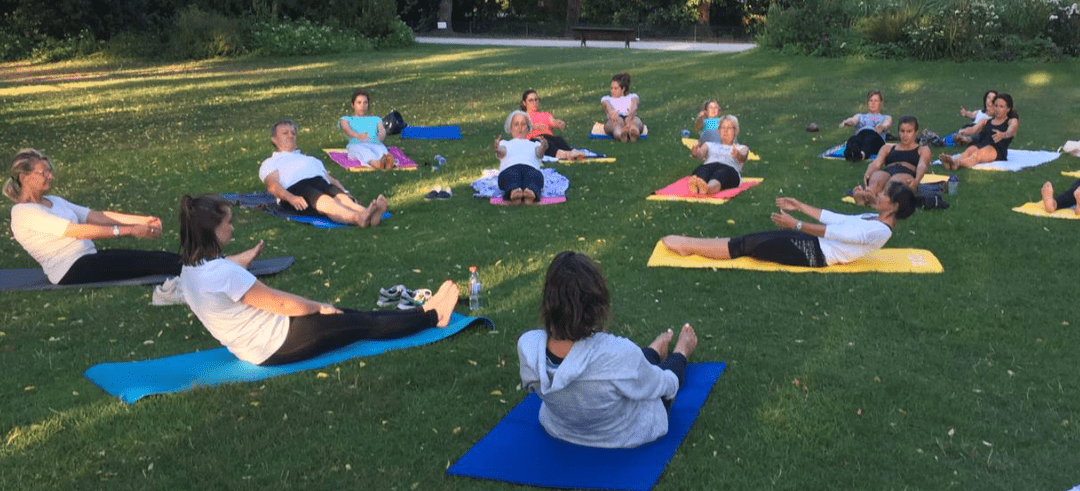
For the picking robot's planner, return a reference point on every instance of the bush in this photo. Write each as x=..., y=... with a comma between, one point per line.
x=17, y=41
x=301, y=37
x=400, y=36
x=65, y=49
x=132, y=45
x=198, y=34
x=815, y=27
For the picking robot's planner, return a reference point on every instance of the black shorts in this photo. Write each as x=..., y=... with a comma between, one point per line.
x=894, y=169
x=311, y=189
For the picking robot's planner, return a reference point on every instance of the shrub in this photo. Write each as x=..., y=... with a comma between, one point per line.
x=82, y=44
x=198, y=34
x=816, y=27
x=136, y=45
x=400, y=36
x=17, y=40
x=302, y=37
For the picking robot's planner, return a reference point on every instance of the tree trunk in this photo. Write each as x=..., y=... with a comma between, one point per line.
x=573, y=11
x=446, y=10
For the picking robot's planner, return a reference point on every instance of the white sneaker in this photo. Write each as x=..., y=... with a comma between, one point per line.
x=168, y=293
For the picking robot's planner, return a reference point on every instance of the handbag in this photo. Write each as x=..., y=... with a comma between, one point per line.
x=394, y=123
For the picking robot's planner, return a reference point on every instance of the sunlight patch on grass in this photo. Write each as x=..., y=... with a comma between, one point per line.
x=21, y=438
x=911, y=86
x=1037, y=79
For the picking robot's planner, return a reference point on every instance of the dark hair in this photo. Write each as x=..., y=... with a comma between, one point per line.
x=988, y=92
x=22, y=164
x=358, y=93
x=199, y=219
x=872, y=93
x=525, y=95
x=623, y=79
x=576, y=301
x=904, y=198
x=908, y=119
x=1008, y=101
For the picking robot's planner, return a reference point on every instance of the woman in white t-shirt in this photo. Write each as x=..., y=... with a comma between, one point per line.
x=723, y=160
x=621, y=110
x=838, y=239
x=965, y=133
x=265, y=326
x=366, y=134
x=520, y=178
x=59, y=234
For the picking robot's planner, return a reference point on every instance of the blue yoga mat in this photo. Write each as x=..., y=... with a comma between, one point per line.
x=133, y=380
x=837, y=152
x=594, y=136
x=518, y=450
x=431, y=133
x=267, y=203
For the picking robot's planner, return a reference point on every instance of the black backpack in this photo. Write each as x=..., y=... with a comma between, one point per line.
x=394, y=123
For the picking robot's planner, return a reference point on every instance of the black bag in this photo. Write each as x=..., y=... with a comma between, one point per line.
x=394, y=123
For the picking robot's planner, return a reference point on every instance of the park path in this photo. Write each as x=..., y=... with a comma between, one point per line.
x=570, y=43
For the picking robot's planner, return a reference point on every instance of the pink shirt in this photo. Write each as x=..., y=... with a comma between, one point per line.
x=542, y=124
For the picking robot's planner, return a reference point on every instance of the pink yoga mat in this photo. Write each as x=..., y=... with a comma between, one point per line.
x=678, y=188
x=498, y=201
x=342, y=158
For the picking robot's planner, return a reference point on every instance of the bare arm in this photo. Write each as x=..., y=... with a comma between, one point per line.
x=632, y=112
x=785, y=221
x=700, y=121
x=1010, y=132
x=541, y=149
x=612, y=114
x=699, y=150
x=738, y=155
x=278, y=302
x=884, y=126
x=877, y=164
x=500, y=152
x=381, y=131
x=920, y=168
x=273, y=186
x=852, y=121
x=91, y=231
x=345, y=127
x=333, y=181
x=792, y=204
x=972, y=130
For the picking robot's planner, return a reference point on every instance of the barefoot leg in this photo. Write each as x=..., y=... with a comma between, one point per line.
x=376, y=209
x=517, y=196
x=529, y=197
x=1048, y=198
x=687, y=342
x=443, y=302
x=695, y=185
x=661, y=343
x=713, y=187
x=710, y=248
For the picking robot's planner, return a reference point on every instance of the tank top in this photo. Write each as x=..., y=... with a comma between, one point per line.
x=904, y=156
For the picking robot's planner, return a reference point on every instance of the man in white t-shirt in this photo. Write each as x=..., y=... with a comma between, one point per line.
x=302, y=184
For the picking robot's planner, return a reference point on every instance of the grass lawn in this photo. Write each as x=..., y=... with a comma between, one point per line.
x=961, y=380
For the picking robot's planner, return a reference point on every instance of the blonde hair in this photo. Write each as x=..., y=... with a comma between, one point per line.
x=22, y=164
x=510, y=121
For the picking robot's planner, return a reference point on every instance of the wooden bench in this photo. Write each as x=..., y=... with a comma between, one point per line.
x=585, y=33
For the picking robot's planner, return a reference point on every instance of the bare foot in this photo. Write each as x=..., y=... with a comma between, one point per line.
x=529, y=197
x=862, y=196
x=661, y=343
x=1048, y=198
x=375, y=216
x=678, y=244
x=713, y=187
x=245, y=258
x=388, y=161
x=947, y=161
x=443, y=302
x=696, y=185
x=687, y=342
x=517, y=196
x=1076, y=197
x=634, y=133
x=576, y=155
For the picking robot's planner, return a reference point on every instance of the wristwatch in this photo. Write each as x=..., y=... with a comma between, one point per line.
x=116, y=230
x=798, y=225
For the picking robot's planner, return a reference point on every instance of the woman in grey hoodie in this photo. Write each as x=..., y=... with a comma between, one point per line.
x=598, y=389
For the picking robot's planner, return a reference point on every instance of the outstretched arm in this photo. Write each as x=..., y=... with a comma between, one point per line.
x=278, y=302
x=920, y=168
x=792, y=204
x=852, y=121
x=500, y=152
x=884, y=126
x=351, y=133
x=1009, y=132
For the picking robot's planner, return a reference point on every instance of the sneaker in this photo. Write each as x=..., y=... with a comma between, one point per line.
x=168, y=293
x=445, y=194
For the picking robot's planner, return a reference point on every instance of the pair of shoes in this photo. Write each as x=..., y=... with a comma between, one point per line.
x=415, y=299
x=438, y=192
x=389, y=297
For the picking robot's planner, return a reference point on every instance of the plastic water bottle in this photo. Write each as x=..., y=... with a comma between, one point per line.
x=439, y=161
x=475, y=302
x=954, y=182
x=685, y=133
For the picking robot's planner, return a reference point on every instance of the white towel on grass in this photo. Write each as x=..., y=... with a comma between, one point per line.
x=1018, y=159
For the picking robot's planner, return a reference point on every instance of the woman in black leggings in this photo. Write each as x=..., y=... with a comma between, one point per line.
x=265, y=326
x=60, y=234
x=837, y=239
x=1068, y=199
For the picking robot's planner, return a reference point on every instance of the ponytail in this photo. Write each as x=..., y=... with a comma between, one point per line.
x=199, y=219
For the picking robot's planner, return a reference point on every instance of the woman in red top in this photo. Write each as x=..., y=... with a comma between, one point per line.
x=542, y=124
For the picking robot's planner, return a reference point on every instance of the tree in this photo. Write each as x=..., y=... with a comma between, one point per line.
x=446, y=10
x=573, y=12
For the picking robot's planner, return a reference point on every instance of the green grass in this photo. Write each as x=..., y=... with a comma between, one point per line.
x=964, y=380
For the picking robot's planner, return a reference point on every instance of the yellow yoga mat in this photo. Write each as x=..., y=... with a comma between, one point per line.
x=598, y=129
x=926, y=179
x=599, y=160
x=690, y=142
x=1038, y=210
x=881, y=261
x=1074, y=173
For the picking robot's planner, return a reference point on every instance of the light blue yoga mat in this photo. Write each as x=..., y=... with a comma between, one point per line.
x=133, y=380
x=837, y=152
x=267, y=203
x=518, y=450
x=431, y=133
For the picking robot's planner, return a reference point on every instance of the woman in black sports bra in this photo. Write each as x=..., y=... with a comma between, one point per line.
x=992, y=138
x=903, y=162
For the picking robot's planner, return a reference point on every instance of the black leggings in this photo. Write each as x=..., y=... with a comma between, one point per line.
x=315, y=334
x=725, y=174
x=555, y=143
x=311, y=189
x=675, y=362
x=521, y=176
x=789, y=247
x=867, y=141
x=1067, y=199
x=121, y=264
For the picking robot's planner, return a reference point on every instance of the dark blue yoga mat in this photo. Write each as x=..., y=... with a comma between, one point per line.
x=518, y=450
x=431, y=133
x=133, y=380
x=269, y=204
x=35, y=279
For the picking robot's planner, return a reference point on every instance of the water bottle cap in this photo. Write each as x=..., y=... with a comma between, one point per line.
x=954, y=178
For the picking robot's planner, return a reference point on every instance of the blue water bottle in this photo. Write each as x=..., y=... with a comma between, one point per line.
x=439, y=161
x=685, y=133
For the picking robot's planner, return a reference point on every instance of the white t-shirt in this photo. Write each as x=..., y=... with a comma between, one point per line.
x=40, y=230
x=292, y=167
x=519, y=151
x=718, y=152
x=979, y=116
x=850, y=237
x=620, y=104
x=213, y=290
